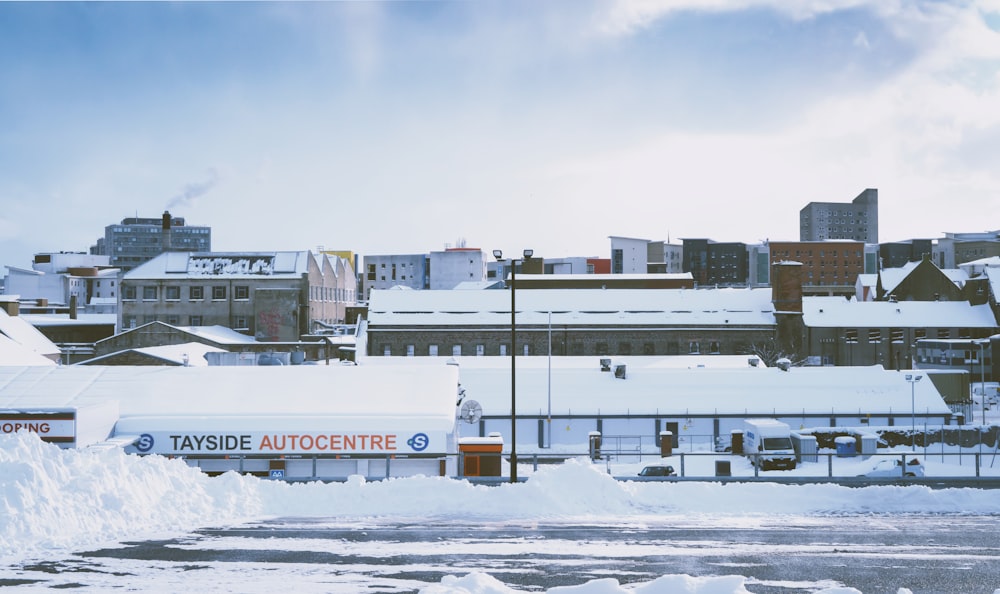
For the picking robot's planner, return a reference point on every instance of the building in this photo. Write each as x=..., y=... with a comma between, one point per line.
x=65, y=281
x=896, y=254
x=718, y=264
x=135, y=240
x=955, y=249
x=410, y=271
x=828, y=267
x=272, y=296
x=454, y=266
x=681, y=280
x=857, y=220
x=631, y=255
x=570, y=321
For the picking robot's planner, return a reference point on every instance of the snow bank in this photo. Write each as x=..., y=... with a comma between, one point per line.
x=52, y=498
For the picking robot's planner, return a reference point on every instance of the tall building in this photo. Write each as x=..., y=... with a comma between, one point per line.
x=136, y=241
x=856, y=220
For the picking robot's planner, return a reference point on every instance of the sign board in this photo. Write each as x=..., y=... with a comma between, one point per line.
x=52, y=427
x=277, y=474
x=299, y=443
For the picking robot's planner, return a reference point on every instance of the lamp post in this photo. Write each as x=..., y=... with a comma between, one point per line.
x=982, y=378
x=498, y=254
x=913, y=379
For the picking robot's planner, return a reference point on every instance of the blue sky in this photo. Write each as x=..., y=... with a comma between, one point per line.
x=403, y=127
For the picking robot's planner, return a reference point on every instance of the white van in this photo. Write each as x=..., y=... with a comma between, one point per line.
x=769, y=443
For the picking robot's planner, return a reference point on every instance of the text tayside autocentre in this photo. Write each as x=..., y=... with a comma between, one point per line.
x=279, y=443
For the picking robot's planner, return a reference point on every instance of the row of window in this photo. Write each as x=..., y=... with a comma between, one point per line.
x=898, y=335
x=173, y=293
x=600, y=348
x=239, y=322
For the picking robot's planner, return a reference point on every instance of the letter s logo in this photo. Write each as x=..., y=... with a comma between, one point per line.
x=418, y=442
x=144, y=443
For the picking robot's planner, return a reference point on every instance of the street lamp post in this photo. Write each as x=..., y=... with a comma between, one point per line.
x=913, y=379
x=498, y=254
x=982, y=379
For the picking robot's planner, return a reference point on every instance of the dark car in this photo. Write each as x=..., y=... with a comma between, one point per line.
x=658, y=470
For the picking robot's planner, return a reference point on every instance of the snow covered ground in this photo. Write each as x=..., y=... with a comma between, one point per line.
x=54, y=502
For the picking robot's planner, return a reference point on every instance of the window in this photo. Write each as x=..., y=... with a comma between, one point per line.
x=173, y=320
x=128, y=294
x=386, y=350
x=196, y=293
x=648, y=349
x=503, y=350
x=432, y=350
x=149, y=293
x=480, y=350
x=240, y=323
x=944, y=333
x=624, y=348
x=128, y=322
x=874, y=336
x=194, y=321
x=456, y=351
x=219, y=292
x=241, y=292
x=851, y=336
x=694, y=348
x=601, y=348
x=410, y=350
x=713, y=347
x=172, y=293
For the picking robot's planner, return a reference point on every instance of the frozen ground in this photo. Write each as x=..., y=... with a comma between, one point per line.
x=54, y=502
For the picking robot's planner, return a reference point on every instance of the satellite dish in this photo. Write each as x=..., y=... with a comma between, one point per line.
x=471, y=411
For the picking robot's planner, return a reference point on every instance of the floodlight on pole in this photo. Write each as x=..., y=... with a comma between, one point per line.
x=913, y=379
x=498, y=254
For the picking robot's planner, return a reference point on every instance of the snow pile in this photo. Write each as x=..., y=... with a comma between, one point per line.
x=52, y=498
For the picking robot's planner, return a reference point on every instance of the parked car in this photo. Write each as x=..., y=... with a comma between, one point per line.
x=894, y=468
x=658, y=470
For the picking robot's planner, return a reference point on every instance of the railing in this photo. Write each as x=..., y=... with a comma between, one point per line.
x=963, y=468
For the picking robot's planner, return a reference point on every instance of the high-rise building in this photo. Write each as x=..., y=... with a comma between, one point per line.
x=856, y=220
x=138, y=240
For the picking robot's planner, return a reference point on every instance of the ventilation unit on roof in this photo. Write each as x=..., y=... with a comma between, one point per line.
x=605, y=364
x=620, y=371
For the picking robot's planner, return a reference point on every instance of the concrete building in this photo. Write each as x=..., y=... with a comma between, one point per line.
x=273, y=296
x=65, y=281
x=857, y=220
x=629, y=255
x=454, y=266
x=955, y=249
x=135, y=240
x=410, y=271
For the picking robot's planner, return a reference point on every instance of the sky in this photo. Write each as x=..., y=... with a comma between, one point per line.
x=408, y=127
x=55, y=501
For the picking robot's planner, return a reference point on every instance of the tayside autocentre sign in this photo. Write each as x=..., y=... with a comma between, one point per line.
x=284, y=443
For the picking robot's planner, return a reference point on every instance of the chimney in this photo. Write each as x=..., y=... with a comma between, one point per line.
x=165, y=235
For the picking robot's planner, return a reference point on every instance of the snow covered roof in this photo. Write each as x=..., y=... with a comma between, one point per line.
x=189, y=353
x=22, y=332
x=239, y=397
x=82, y=319
x=651, y=390
x=837, y=312
x=222, y=264
x=13, y=353
x=609, y=277
x=751, y=307
x=891, y=277
x=218, y=334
